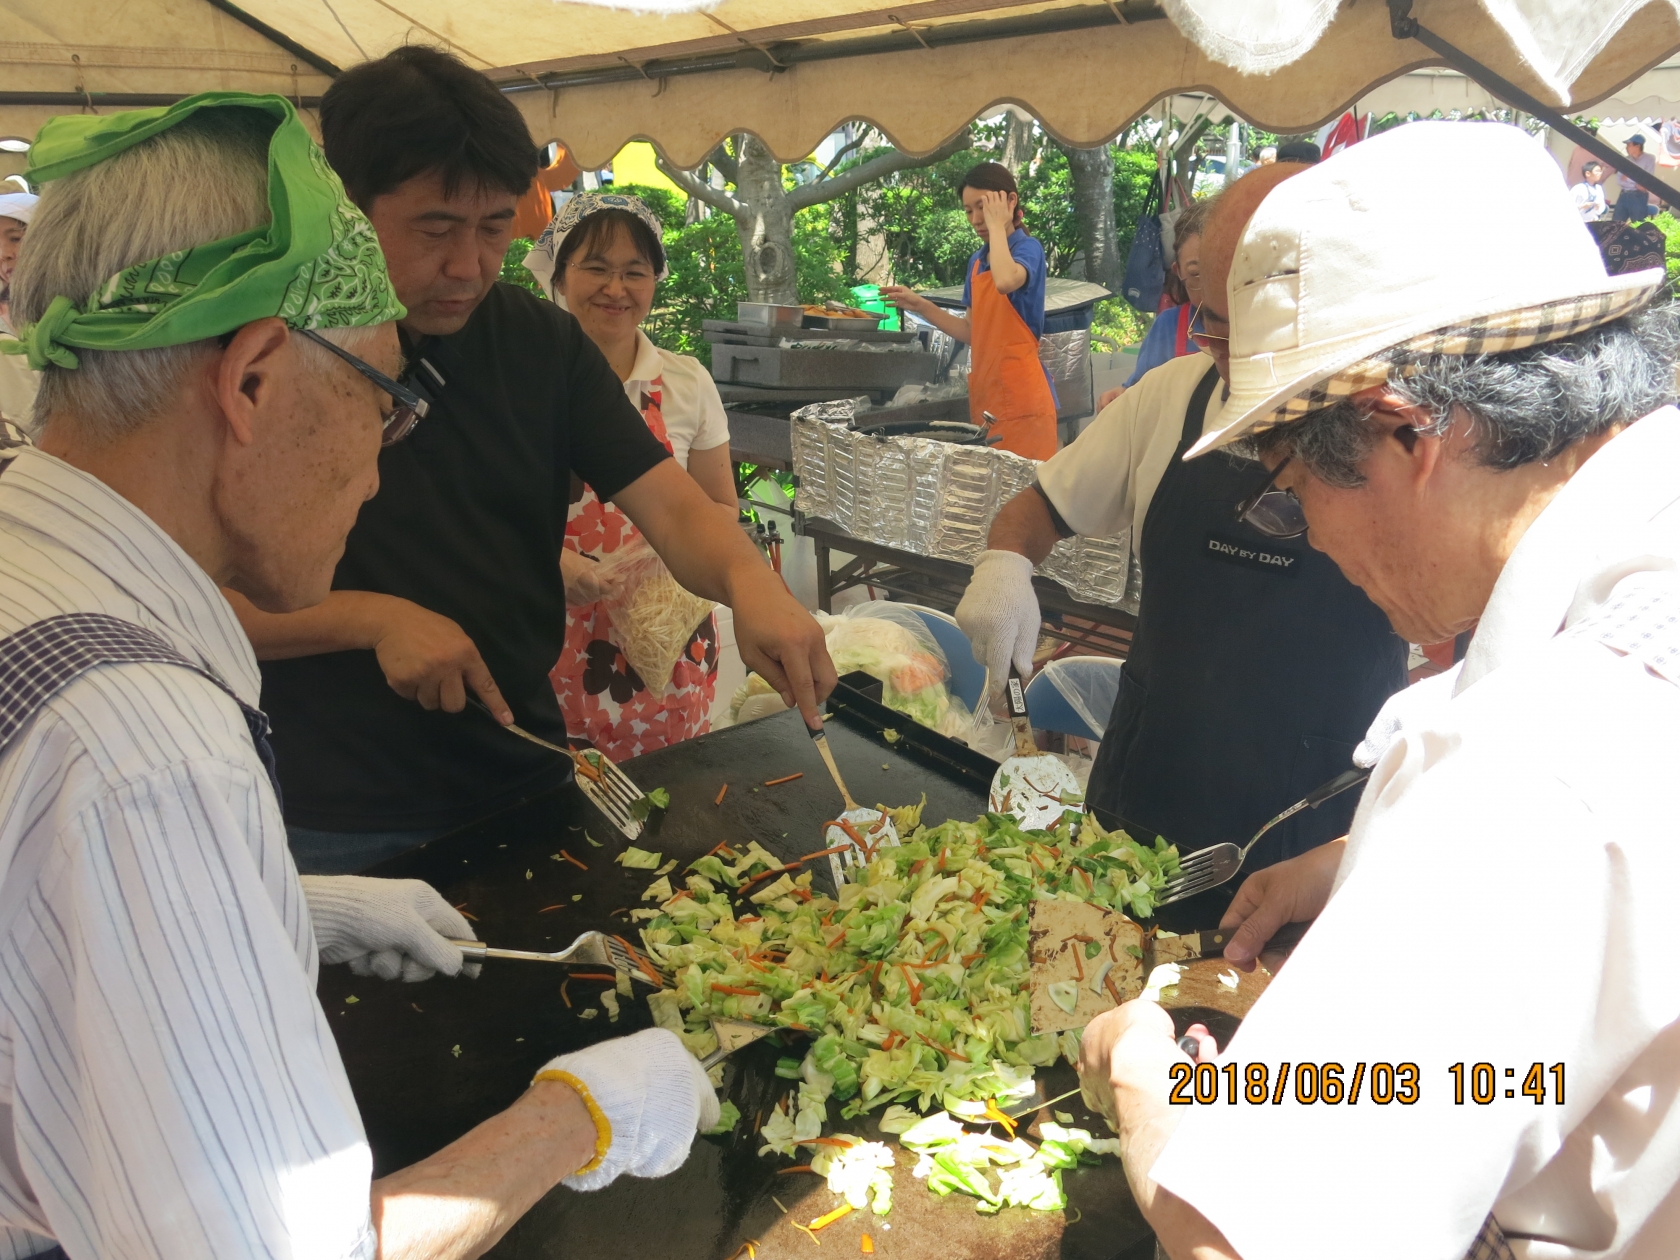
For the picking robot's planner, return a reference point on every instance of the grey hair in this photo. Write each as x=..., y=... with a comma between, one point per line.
x=201, y=180
x=1523, y=405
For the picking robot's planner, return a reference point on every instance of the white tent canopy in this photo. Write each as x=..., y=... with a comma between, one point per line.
x=595, y=77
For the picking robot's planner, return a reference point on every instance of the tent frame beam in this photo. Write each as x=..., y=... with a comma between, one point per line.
x=133, y=100
x=306, y=55
x=1405, y=26
x=778, y=57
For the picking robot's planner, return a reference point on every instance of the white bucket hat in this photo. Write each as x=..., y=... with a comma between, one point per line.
x=18, y=205
x=1434, y=238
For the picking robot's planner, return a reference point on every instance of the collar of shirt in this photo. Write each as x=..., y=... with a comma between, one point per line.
x=43, y=495
x=1593, y=526
x=649, y=366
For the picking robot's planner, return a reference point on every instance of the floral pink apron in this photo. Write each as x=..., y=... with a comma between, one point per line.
x=605, y=703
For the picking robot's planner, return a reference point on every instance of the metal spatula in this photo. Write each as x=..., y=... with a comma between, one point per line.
x=1218, y=863
x=1035, y=787
x=591, y=949
x=608, y=788
x=875, y=827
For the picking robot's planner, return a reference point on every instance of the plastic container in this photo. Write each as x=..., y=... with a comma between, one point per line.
x=867, y=297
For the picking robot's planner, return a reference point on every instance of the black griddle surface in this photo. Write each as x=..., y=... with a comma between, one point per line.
x=429, y=1061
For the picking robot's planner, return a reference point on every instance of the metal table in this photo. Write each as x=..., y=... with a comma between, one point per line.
x=940, y=584
x=429, y=1061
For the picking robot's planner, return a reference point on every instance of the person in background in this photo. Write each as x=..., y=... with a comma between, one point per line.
x=1003, y=289
x=1589, y=193
x=1169, y=337
x=17, y=379
x=1635, y=200
x=1268, y=155
x=1303, y=151
x=601, y=258
x=450, y=582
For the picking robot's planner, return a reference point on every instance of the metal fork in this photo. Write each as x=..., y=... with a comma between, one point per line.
x=592, y=948
x=1218, y=863
x=608, y=788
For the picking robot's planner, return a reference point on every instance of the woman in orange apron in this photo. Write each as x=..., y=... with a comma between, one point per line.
x=1004, y=290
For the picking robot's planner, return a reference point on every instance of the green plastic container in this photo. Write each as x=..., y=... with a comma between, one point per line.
x=867, y=297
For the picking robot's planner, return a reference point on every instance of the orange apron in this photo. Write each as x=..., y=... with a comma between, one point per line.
x=1006, y=377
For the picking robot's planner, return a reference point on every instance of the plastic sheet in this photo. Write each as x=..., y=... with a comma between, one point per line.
x=1089, y=684
x=938, y=499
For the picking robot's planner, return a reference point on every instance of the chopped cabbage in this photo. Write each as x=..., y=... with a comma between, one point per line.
x=637, y=859
x=729, y=1115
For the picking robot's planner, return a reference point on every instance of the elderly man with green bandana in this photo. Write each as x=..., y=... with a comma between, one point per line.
x=217, y=369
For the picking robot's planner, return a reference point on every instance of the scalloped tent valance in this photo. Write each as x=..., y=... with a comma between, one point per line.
x=686, y=74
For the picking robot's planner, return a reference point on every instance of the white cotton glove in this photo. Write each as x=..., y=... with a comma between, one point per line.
x=653, y=1095
x=388, y=928
x=999, y=614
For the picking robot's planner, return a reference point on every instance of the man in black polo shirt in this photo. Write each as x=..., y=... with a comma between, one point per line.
x=450, y=582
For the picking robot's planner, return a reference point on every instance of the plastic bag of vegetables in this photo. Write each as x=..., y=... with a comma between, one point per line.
x=653, y=617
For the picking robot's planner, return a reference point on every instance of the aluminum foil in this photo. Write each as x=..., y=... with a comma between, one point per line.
x=938, y=499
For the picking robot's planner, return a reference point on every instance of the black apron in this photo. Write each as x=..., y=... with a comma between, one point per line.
x=1255, y=669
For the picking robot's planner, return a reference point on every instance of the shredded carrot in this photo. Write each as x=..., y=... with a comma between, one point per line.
x=839, y=848
x=755, y=966
x=782, y=1172
x=641, y=962
x=824, y=1221
x=890, y=1040
x=573, y=860
x=852, y=834
x=721, y=791
x=564, y=995
x=680, y=894
x=774, y=870
x=968, y=959
x=1108, y=983
x=749, y=918
x=797, y=1027
x=546, y=909
x=829, y=1141
x=786, y=778
x=943, y=854
x=721, y=844
x=916, y=866
x=595, y=975
x=1079, y=964
x=588, y=771
x=996, y=1116
x=867, y=1245
x=735, y=989
x=979, y=898
x=945, y=1050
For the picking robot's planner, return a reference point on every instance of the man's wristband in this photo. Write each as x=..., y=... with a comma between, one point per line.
x=603, y=1126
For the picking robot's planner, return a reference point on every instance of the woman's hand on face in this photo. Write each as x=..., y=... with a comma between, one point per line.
x=998, y=213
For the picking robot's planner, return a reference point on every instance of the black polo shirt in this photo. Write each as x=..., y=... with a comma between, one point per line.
x=468, y=523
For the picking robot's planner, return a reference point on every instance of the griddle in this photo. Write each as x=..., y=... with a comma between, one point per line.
x=429, y=1061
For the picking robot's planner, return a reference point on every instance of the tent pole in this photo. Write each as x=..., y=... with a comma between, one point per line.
x=313, y=59
x=1407, y=27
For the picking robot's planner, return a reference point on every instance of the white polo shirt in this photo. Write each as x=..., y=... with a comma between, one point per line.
x=690, y=403
x=169, y=1086
x=1104, y=481
x=1509, y=897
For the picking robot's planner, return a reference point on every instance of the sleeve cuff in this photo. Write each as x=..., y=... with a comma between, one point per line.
x=1063, y=529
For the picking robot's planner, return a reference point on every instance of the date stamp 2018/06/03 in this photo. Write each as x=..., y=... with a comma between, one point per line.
x=1334, y=1083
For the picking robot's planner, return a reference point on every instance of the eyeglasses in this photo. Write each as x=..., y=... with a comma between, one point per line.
x=1275, y=513
x=1202, y=338
x=637, y=276
x=407, y=409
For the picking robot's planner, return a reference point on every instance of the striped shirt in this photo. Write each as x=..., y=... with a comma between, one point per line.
x=168, y=1082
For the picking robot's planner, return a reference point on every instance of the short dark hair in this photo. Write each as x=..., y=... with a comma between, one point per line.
x=419, y=109
x=1303, y=151
x=599, y=228
x=1591, y=166
x=992, y=177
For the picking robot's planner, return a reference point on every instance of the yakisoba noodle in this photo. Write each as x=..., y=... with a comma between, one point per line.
x=653, y=616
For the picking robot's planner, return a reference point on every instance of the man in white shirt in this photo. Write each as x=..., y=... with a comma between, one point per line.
x=216, y=386
x=1479, y=436
x=1201, y=747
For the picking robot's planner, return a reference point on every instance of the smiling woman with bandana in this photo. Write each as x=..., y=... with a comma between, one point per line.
x=601, y=258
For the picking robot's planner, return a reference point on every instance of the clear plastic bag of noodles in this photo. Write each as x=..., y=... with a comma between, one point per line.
x=653, y=617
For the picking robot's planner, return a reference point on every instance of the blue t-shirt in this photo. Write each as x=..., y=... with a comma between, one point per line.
x=1160, y=343
x=1028, y=300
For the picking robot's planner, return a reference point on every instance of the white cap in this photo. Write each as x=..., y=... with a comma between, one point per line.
x=18, y=205
x=1383, y=245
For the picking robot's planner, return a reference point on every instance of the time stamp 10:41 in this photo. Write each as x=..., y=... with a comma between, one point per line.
x=1380, y=1083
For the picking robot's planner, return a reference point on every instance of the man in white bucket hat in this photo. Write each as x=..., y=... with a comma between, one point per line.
x=1477, y=1044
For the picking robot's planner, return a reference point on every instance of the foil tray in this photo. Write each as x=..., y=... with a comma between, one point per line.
x=938, y=499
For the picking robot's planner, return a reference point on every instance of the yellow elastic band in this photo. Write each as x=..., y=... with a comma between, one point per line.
x=603, y=1126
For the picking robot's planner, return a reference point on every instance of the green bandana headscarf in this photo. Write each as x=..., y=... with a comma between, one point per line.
x=316, y=264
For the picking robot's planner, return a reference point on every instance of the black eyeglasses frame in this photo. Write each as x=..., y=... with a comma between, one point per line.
x=409, y=409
